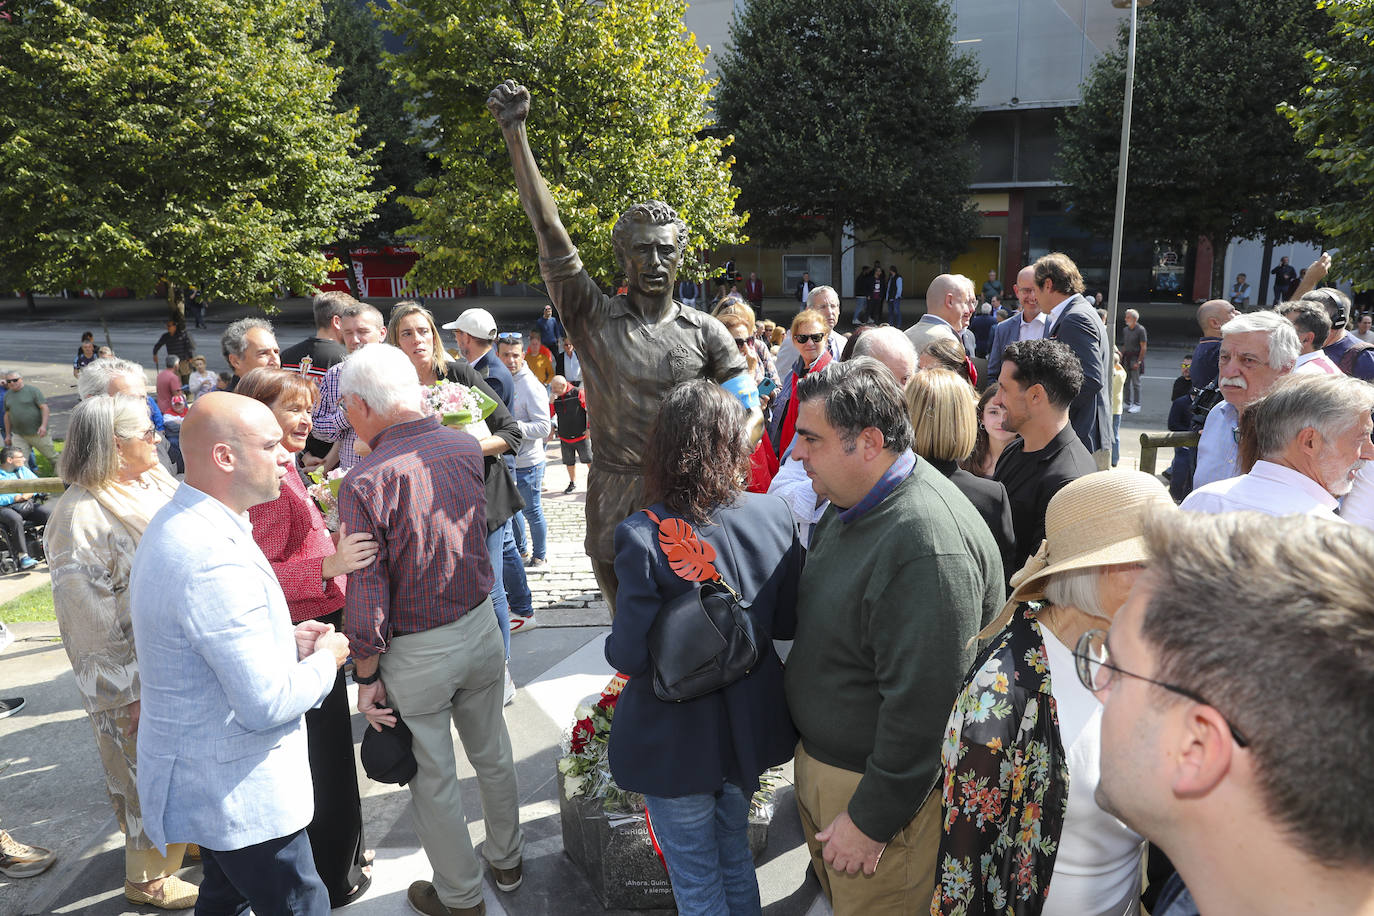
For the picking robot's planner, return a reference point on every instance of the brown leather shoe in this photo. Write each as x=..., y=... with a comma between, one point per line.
x=424, y=899
x=508, y=879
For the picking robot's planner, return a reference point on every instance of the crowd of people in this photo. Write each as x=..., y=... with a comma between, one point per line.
x=999, y=690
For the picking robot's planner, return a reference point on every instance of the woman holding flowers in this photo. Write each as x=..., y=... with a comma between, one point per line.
x=313, y=574
x=698, y=762
x=412, y=329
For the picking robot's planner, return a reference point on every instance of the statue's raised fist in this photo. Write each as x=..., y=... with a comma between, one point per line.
x=509, y=103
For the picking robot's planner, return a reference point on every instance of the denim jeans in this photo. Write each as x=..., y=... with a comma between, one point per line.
x=496, y=542
x=705, y=842
x=518, y=596
x=530, y=482
x=894, y=312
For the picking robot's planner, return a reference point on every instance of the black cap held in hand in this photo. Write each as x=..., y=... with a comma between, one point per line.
x=386, y=754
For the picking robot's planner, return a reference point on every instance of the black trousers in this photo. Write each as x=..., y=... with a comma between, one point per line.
x=336, y=833
x=13, y=517
x=275, y=878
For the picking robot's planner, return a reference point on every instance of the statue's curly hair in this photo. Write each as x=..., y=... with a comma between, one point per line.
x=653, y=213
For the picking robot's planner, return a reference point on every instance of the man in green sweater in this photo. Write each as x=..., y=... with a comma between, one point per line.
x=901, y=575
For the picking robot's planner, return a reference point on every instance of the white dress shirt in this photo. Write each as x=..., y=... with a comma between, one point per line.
x=1030, y=330
x=1273, y=489
x=1316, y=362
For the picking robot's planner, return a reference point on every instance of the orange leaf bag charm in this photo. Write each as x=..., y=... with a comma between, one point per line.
x=688, y=555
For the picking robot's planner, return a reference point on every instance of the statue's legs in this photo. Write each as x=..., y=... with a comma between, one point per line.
x=614, y=493
x=607, y=582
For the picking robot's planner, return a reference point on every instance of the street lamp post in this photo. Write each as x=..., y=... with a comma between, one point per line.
x=1119, y=219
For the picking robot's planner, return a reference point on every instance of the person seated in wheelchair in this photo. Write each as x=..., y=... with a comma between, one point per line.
x=20, y=510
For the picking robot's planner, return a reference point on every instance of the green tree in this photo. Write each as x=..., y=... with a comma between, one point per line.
x=1335, y=122
x=191, y=141
x=620, y=104
x=354, y=43
x=1210, y=155
x=851, y=113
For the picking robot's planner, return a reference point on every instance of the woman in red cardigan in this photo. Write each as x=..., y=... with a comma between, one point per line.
x=313, y=575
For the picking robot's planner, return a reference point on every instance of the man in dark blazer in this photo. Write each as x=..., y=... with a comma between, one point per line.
x=1071, y=318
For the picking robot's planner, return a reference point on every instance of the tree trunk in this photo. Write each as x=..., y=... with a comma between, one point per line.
x=1218, y=289
x=28, y=297
x=1262, y=281
x=351, y=273
x=176, y=303
x=837, y=277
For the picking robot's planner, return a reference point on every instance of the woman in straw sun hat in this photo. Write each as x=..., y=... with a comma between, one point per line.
x=1022, y=831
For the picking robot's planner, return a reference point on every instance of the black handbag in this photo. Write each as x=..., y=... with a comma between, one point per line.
x=706, y=638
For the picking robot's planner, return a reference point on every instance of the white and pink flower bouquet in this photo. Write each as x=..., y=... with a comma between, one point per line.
x=459, y=406
x=324, y=489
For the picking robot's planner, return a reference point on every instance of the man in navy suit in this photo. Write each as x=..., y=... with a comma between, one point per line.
x=1028, y=324
x=1071, y=318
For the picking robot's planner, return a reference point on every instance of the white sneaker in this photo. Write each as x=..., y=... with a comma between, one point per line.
x=519, y=624
x=1134, y=408
x=510, y=688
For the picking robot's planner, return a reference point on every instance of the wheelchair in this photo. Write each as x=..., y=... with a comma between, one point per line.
x=33, y=533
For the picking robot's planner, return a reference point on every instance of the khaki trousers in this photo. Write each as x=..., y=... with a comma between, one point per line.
x=455, y=673
x=905, y=878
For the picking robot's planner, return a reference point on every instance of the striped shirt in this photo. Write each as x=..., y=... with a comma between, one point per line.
x=421, y=494
x=330, y=424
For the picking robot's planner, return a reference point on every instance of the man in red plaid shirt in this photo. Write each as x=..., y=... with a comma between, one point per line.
x=423, y=632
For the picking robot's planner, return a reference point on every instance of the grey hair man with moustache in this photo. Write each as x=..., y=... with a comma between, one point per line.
x=1235, y=685
x=825, y=300
x=1257, y=349
x=1310, y=435
x=949, y=305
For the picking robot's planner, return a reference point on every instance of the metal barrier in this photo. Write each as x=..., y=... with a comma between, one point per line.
x=33, y=485
x=1151, y=443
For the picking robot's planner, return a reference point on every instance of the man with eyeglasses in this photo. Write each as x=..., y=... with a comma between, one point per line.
x=1235, y=685
x=26, y=417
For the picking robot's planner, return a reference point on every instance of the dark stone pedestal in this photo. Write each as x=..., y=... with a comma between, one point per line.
x=614, y=851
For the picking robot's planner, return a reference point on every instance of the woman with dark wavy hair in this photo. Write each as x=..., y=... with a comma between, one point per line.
x=698, y=762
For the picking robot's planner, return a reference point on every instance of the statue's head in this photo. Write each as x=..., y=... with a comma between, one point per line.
x=649, y=240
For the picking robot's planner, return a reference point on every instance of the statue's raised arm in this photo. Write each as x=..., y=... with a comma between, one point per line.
x=509, y=103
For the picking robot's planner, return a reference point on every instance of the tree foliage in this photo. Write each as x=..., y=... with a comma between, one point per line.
x=855, y=113
x=1335, y=122
x=192, y=141
x=619, y=103
x=354, y=43
x=1210, y=155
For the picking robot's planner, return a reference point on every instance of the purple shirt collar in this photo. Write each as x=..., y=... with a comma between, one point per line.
x=900, y=470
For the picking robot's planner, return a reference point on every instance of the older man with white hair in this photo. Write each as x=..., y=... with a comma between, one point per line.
x=1257, y=349
x=949, y=306
x=420, y=620
x=1311, y=433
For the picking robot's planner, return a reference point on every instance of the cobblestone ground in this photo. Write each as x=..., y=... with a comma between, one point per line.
x=565, y=592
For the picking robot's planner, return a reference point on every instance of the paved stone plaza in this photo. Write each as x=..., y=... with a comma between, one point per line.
x=51, y=784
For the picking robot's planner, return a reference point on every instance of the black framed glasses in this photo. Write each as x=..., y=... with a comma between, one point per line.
x=803, y=338
x=741, y=341
x=1091, y=658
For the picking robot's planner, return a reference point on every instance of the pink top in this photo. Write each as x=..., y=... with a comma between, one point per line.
x=291, y=533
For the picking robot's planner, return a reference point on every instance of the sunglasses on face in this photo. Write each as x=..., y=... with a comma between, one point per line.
x=803, y=338
x=741, y=341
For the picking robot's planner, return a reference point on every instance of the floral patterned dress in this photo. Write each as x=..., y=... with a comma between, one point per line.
x=1006, y=781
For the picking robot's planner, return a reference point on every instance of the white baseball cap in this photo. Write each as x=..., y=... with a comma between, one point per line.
x=477, y=322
